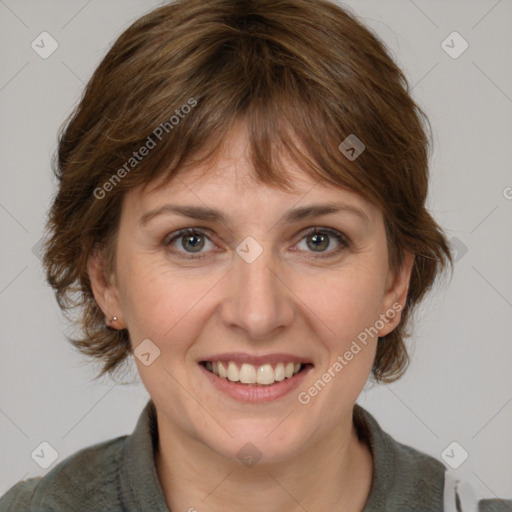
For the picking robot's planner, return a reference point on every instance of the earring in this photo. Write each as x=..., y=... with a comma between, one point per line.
x=109, y=322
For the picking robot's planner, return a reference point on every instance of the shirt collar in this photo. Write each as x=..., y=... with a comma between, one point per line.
x=139, y=478
x=141, y=486
x=403, y=478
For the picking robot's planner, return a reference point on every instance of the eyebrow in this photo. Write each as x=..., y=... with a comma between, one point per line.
x=294, y=215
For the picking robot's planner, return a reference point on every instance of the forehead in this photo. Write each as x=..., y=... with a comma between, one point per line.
x=229, y=180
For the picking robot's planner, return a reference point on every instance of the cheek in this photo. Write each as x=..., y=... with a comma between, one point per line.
x=157, y=301
x=340, y=307
x=345, y=303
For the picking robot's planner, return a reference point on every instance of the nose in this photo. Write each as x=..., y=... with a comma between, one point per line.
x=257, y=299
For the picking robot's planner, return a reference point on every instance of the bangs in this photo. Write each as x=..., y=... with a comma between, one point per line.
x=298, y=107
x=281, y=126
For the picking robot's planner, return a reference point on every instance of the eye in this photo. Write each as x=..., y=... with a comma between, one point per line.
x=193, y=240
x=320, y=239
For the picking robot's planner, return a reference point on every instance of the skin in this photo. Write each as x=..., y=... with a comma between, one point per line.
x=289, y=299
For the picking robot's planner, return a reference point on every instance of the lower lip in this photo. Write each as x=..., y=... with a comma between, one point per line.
x=256, y=394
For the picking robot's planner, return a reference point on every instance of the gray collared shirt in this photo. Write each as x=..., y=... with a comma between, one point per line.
x=120, y=475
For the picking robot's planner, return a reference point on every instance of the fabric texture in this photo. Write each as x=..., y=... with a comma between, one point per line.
x=120, y=475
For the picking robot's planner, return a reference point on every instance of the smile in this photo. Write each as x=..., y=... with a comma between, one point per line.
x=245, y=373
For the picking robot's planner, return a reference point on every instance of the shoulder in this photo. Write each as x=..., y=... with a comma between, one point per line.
x=408, y=479
x=86, y=480
x=495, y=505
x=417, y=478
x=459, y=496
x=434, y=479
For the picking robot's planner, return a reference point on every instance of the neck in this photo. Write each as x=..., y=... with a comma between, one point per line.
x=331, y=474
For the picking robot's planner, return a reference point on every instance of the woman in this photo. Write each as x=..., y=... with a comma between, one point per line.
x=279, y=140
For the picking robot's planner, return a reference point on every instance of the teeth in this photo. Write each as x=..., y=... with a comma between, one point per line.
x=265, y=375
x=233, y=373
x=249, y=374
x=222, y=371
x=279, y=372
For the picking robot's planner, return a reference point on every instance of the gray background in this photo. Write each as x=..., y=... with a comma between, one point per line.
x=459, y=386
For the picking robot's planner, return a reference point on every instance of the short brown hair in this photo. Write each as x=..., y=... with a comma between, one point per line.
x=303, y=75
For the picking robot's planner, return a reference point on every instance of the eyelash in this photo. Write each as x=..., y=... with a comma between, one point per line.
x=339, y=237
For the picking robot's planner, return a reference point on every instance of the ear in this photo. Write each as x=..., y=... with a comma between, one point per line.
x=105, y=292
x=395, y=296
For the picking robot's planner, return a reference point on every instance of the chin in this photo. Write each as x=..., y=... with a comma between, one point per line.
x=264, y=444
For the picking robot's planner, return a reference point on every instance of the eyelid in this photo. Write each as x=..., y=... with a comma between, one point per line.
x=176, y=235
x=339, y=236
x=342, y=239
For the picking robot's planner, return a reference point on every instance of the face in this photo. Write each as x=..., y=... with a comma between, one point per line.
x=257, y=289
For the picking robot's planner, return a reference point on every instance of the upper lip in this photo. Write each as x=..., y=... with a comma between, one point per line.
x=242, y=357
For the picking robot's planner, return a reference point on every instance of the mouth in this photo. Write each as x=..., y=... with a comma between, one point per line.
x=254, y=375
